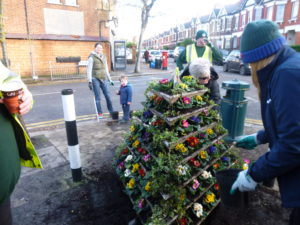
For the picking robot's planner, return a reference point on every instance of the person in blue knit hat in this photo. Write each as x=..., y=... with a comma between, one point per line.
x=275, y=71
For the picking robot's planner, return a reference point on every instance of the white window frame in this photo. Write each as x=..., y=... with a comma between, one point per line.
x=258, y=9
x=250, y=15
x=295, y=10
x=71, y=2
x=54, y=2
x=280, y=19
x=243, y=20
x=270, y=10
x=236, y=25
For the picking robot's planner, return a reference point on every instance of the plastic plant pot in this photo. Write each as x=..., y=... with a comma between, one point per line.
x=225, y=180
x=115, y=115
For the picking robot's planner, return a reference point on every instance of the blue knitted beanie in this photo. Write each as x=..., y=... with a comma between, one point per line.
x=260, y=40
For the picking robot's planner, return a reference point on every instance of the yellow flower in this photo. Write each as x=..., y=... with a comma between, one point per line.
x=198, y=98
x=181, y=147
x=132, y=128
x=135, y=144
x=209, y=131
x=131, y=183
x=188, y=78
x=202, y=154
x=135, y=167
x=182, y=197
x=209, y=198
x=183, y=86
x=245, y=166
x=147, y=187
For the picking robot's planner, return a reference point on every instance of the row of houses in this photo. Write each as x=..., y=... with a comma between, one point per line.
x=225, y=25
x=40, y=35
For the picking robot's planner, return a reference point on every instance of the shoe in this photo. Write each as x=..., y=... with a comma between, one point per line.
x=123, y=121
x=100, y=115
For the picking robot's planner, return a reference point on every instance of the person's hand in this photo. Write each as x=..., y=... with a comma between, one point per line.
x=1, y=100
x=243, y=183
x=248, y=142
x=128, y=103
x=112, y=83
x=27, y=102
x=90, y=86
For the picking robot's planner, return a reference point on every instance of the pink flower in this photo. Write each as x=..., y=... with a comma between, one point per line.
x=121, y=165
x=147, y=157
x=164, y=81
x=247, y=161
x=195, y=184
x=186, y=100
x=185, y=123
x=141, y=203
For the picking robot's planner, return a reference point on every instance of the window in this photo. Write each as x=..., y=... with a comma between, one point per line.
x=54, y=1
x=243, y=20
x=258, y=12
x=295, y=9
x=71, y=2
x=236, y=25
x=250, y=16
x=269, y=13
x=279, y=13
x=227, y=43
x=228, y=25
x=234, y=44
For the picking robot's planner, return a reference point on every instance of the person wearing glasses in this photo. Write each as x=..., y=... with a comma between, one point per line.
x=202, y=70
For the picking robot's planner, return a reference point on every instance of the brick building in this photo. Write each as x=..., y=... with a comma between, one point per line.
x=225, y=25
x=40, y=33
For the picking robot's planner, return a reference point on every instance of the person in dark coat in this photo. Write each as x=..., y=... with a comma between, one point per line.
x=201, y=69
x=146, y=56
x=125, y=93
x=275, y=71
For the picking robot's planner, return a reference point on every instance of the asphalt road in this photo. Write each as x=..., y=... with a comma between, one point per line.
x=48, y=105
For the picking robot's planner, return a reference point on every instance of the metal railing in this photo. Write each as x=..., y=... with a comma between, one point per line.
x=66, y=72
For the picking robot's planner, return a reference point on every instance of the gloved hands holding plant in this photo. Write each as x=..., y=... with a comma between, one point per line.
x=248, y=142
x=244, y=182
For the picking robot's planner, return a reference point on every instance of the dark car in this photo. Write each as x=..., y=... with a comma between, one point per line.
x=171, y=53
x=224, y=53
x=234, y=62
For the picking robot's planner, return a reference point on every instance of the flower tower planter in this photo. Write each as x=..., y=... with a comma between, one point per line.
x=170, y=157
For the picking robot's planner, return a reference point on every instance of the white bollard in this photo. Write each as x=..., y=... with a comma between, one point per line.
x=71, y=129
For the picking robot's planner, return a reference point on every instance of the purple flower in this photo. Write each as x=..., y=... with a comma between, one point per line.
x=147, y=157
x=195, y=119
x=211, y=149
x=121, y=165
x=186, y=100
x=145, y=136
x=225, y=159
x=141, y=203
x=148, y=114
x=202, y=135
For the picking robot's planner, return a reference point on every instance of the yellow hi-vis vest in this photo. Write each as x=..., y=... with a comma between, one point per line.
x=191, y=53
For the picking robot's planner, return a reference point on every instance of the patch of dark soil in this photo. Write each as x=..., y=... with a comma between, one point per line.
x=264, y=208
x=98, y=202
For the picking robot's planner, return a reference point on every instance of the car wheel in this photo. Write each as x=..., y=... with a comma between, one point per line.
x=242, y=70
x=225, y=67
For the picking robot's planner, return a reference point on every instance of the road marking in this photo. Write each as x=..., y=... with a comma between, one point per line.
x=51, y=93
x=252, y=99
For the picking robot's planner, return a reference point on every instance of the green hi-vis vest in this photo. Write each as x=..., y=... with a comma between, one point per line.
x=191, y=53
x=98, y=67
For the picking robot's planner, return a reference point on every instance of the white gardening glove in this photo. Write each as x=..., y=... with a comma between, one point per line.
x=243, y=182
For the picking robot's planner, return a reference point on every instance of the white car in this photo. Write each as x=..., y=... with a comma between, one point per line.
x=154, y=54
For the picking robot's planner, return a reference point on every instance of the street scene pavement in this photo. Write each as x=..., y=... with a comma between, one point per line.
x=49, y=196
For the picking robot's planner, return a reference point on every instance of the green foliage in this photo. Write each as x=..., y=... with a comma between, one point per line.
x=130, y=44
x=296, y=47
x=186, y=42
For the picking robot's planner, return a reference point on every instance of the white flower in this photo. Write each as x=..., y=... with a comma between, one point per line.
x=199, y=213
x=198, y=207
x=181, y=170
x=206, y=174
x=127, y=172
x=128, y=158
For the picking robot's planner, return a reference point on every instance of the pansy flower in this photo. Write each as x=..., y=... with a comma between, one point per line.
x=142, y=172
x=198, y=98
x=147, y=157
x=135, y=167
x=195, y=119
x=132, y=128
x=209, y=198
x=196, y=184
x=121, y=165
x=135, y=143
x=192, y=141
x=148, y=114
x=202, y=135
x=211, y=149
x=128, y=158
x=181, y=148
x=185, y=123
x=186, y=100
x=131, y=183
x=183, y=221
x=183, y=86
x=209, y=131
x=181, y=170
x=203, y=154
x=225, y=159
x=216, y=186
x=141, y=203
x=164, y=81
x=148, y=186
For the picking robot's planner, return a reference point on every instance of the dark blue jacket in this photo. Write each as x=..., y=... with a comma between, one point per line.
x=125, y=94
x=280, y=109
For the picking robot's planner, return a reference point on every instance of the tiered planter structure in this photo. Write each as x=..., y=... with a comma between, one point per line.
x=169, y=159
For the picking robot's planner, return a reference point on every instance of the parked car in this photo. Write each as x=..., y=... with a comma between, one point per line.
x=177, y=52
x=234, y=62
x=171, y=53
x=224, y=53
x=154, y=54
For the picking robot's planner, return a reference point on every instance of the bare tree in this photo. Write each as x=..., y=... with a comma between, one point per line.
x=2, y=36
x=145, y=12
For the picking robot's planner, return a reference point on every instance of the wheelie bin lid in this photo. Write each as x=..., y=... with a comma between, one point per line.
x=235, y=84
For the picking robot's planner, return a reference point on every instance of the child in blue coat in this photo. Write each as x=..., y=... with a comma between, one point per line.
x=125, y=93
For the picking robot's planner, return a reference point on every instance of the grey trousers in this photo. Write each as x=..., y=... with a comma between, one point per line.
x=5, y=213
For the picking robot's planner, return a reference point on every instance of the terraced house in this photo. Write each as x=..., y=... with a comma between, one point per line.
x=225, y=25
x=44, y=36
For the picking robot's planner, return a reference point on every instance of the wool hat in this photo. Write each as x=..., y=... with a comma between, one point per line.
x=201, y=34
x=260, y=40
